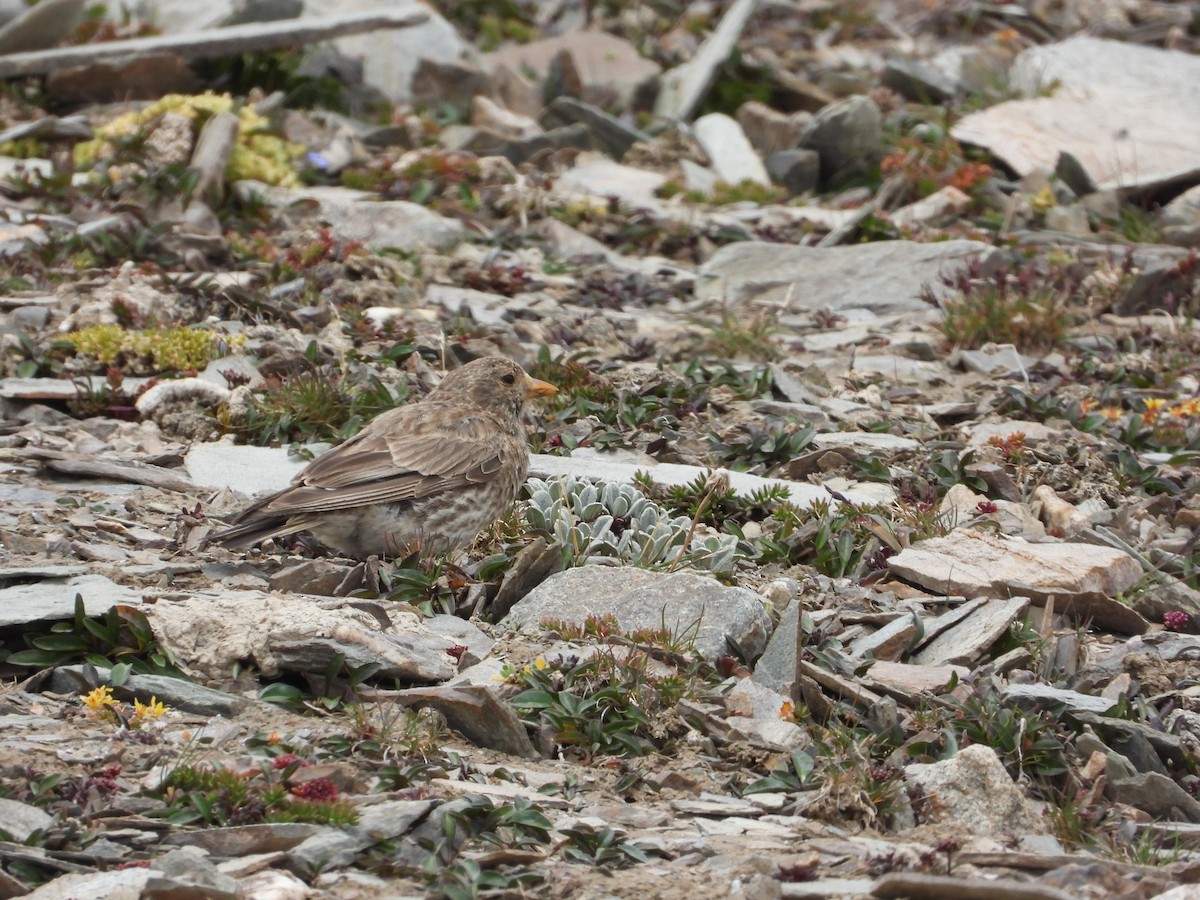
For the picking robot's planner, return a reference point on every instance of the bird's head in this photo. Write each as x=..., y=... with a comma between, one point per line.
x=493, y=383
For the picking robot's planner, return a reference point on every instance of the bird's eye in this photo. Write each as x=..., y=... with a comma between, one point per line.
x=510, y=378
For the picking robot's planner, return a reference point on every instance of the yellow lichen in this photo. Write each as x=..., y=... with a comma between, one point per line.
x=257, y=154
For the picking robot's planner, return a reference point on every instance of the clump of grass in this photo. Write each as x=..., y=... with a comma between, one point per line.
x=1025, y=307
x=314, y=405
x=742, y=334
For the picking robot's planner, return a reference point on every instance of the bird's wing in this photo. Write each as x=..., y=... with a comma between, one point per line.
x=404, y=454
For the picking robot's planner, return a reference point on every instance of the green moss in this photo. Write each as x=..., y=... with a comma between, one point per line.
x=169, y=349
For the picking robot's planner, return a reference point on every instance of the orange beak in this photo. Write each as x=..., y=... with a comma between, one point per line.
x=536, y=388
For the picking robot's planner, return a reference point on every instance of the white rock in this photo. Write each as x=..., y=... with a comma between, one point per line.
x=1130, y=114
x=936, y=209
x=978, y=564
x=733, y=159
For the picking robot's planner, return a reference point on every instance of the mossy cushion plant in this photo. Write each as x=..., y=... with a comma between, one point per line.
x=257, y=155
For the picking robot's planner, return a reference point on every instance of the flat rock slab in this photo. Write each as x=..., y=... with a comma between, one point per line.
x=1045, y=695
x=977, y=564
x=684, y=603
x=477, y=712
x=607, y=65
x=963, y=643
x=590, y=464
x=54, y=598
x=882, y=276
x=914, y=679
x=1129, y=114
x=247, y=470
x=209, y=632
x=359, y=216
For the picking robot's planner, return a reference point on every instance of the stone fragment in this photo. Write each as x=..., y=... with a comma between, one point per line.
x=186, y=873
x=939, y=208
x=22, y=819
x=389, y=56
x=359, y=216
x=175, y=693
x=797, y=170
x=882, y=276
x=769, y=130
x=1157, y=794
x=54, y=598
x=117, y=884
x=729, y=151
x=684, y=87
x=608, y=133
x=440, y=82
x=684, y=603
x=917, y=81
x=1127, y=113
x=610, y=69
x=848, y=136
x=209, y=631
x=973, y=792
x=41, y=26
x=338, y=847
x=1035, y=694
x=979, y=564
x=913, y=679
x=244, y=840
x=476, y=711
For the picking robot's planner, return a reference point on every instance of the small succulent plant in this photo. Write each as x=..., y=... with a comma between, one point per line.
x=605, y=519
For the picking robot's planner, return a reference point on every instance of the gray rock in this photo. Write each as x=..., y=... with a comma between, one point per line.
x=963, y=643
x=882, y=276
x=176, y=693
x=998, y=359
x=973, y=792
x=390, y=57
x=185, y=874
x=917, y=81
x=248, y=470
x=729, y=150
x=54, y=598
x=848, y=136
x=478, y=713
x=310, y=576
x=519, y=150
x=118, y=884
x=610, y=69
x=1181, y=219
x=41, y=26
x=776, y=668
x=770, y=130
x=336, y=848
x=1129, y=114
x=686, y=604
x=797, y=170
x=609, y=133
x=356, y=215
x=439, y=83
x=21, y=819
x=244, y=840
x=1043, y=694
x=1156, y=794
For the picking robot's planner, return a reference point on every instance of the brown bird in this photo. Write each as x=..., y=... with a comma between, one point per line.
x=428, y=476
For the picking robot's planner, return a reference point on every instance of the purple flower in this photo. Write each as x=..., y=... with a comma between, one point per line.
x=1176, y=620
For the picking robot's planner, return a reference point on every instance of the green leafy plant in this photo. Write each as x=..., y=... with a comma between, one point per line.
x=121, y=640
x=214, y=796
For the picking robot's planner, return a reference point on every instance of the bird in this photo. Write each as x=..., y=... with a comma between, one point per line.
x=424, y=478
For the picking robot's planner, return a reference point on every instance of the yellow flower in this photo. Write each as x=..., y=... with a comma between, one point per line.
x=100, y=698
x=540, y=663
x=1112, y=413
x=1087, y=404
x=151, y=710
x=1188, y=408
x=787, y=710
x=1154, y=406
